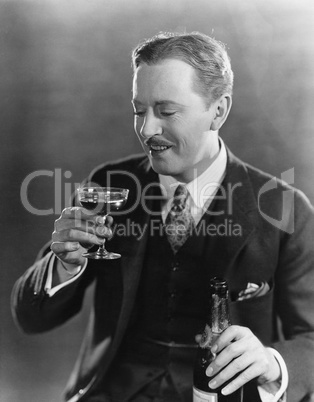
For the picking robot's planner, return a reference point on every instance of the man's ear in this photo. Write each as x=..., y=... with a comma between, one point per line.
x=222, y=109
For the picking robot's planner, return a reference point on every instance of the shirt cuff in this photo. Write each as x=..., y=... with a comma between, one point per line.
x=50, y=291
x=275, y=391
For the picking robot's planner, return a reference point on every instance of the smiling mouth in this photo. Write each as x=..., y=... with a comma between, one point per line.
x=157, y=147
x=156, y=150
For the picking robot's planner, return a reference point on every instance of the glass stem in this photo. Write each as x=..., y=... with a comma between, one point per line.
x=101, y=249
x=102, y=246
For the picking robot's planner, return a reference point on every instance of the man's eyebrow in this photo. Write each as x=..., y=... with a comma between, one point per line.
x=168, y=102
x=161, y=102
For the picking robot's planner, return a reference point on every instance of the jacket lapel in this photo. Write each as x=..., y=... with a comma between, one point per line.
x=230, y=219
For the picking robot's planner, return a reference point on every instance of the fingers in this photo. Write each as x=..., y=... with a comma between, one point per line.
x=83, y=214
x=64, y=247
x=77, y=230
x=77, y=213
x=69, y=252
x=84, y=226
x=77, y=235
x=253, y=371
x=226, y=351
x=240, y=357
x=75, y=220
x=231, y=334
x=242, y=370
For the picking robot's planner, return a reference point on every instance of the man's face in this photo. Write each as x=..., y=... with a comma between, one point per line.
x=172, y=121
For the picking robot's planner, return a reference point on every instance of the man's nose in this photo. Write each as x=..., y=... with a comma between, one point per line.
x=151, y=126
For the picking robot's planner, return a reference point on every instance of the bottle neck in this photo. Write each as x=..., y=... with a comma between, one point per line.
x=219, y=319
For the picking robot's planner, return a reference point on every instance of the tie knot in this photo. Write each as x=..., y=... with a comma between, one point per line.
x=180, y=197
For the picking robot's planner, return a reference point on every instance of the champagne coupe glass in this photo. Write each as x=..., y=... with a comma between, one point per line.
x=102, y=201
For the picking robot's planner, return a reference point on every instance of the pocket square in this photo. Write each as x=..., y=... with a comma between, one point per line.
x=253, y=290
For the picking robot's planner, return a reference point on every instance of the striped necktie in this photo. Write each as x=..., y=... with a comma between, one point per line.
x=179, y=221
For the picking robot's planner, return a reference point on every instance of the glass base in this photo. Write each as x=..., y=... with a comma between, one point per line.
x=102, y=255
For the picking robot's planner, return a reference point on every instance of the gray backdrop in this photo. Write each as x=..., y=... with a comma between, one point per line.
x=65, y=89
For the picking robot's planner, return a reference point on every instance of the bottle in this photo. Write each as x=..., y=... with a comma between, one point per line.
x=219, y=320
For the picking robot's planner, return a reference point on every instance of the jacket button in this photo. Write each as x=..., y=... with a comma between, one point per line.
x=175, y=266
x=35, y=298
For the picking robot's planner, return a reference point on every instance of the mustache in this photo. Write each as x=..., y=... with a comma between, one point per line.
x=157, y=142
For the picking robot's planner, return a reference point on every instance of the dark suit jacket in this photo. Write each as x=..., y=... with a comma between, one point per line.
x=275, y=246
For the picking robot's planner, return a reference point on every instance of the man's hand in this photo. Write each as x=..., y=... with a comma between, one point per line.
x=240, y=354
x=76, y=231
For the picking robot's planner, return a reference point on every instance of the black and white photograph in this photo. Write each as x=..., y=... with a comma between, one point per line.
x=157, y=210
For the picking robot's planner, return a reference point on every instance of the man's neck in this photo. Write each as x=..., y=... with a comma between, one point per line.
x=199, y=168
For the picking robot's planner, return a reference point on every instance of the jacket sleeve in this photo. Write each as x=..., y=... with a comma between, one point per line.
x=33, y=309
x=295, y=299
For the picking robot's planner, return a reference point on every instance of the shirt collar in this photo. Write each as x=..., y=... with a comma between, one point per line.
x=203, y=187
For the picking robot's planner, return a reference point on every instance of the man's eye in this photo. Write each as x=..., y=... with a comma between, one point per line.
x=164, y=113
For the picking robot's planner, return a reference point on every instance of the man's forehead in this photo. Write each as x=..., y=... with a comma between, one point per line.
x=165, y=66
x=166, y=80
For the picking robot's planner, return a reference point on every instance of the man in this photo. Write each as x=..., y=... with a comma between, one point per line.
x=234, y=222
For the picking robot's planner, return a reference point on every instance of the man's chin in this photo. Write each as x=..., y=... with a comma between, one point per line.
x=169, y=169
x=161, y=167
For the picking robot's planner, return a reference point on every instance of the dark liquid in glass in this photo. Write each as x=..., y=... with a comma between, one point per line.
x=103, y=207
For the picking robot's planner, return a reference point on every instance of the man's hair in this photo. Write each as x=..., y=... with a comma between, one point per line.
x=205, y=54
